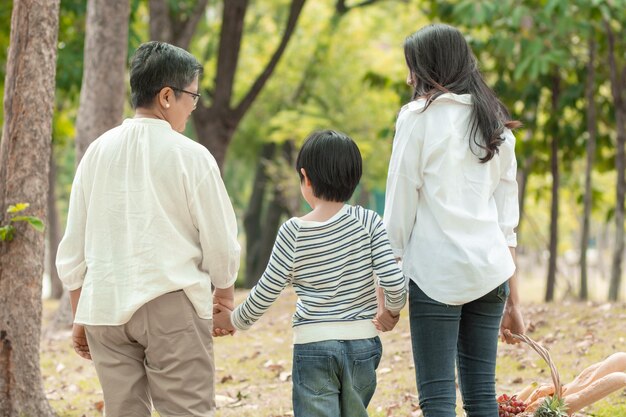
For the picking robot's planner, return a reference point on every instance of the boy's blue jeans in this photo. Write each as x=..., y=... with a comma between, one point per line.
x=335, y=378
x=467, y=334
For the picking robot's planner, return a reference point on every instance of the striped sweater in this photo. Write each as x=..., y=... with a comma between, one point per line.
x=332, y=266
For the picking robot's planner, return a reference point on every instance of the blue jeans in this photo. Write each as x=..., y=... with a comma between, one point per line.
x=335, y=378
x=467, y=334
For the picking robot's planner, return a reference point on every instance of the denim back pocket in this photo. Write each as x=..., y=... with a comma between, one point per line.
x=364, y=372
x=314, y=372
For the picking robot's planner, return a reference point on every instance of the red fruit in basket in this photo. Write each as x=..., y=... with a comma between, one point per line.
x=509, y=406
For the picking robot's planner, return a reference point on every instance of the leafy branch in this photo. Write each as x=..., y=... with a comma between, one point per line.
x=7, y=232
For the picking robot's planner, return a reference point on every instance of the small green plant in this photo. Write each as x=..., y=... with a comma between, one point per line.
x=7, y=232
x=553, y=406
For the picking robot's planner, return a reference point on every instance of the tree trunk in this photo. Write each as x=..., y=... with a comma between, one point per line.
x=271, y=223
x=591, y=151
x=261, y=243
x=554, y=210
x=617, y=88
x=252, y=218
x=103, y=90
x=24, y=161
x=260, y=235
x=214, y=132
x=56, y=287
x=522, y=181
x=215, y=125
x=160, y=25
x=177, y=29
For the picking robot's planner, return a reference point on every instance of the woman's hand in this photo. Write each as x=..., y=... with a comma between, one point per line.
x=386, y=320
x=512, y=322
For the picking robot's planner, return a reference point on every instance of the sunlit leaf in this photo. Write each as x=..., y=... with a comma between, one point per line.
x=18, y=207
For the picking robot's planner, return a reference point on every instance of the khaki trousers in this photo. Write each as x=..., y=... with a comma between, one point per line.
x=163, y=357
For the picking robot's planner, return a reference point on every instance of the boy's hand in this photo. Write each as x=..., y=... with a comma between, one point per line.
x=221, y=321
x=79, y=341
x=385, y=320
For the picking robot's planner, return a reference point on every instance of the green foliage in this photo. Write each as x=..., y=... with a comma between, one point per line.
x=553, y=406
x=7, y=232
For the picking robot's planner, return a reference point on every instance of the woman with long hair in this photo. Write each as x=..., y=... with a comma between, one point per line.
x=451, y=210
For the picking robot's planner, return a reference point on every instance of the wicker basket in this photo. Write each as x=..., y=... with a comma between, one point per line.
x=545, y=355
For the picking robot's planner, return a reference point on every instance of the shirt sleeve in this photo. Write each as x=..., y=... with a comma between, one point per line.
x=277, y=275
x=70, y=261
x=403, y=183
x=213, y=215
x=506, y=193
x=390, y=277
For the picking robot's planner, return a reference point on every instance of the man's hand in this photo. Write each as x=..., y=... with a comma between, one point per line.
x=79, y=341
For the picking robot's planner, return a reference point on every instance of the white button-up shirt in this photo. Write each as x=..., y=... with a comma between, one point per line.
x=148, y=214
x=449, y=217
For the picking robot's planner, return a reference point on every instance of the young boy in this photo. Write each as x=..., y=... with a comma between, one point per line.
x=332, y=257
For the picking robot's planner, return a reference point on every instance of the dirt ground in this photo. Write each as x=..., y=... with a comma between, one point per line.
x=254, y=368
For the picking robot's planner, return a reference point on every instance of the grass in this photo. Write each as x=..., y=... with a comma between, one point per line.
x=254, y=367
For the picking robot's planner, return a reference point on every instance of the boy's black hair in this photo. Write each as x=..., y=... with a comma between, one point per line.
x=155, y=65
x=332, y=161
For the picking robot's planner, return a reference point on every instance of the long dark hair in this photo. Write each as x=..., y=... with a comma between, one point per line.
x=440, y=61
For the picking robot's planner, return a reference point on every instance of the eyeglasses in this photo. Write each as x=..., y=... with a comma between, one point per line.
x=195, y=96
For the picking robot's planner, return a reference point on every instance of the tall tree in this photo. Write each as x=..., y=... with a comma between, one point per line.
x=261, y=221
x=103, y=90
x=24, y=159
x=554, y=170
x=216, y=123
x=175, y=26
x=592, y=129
x=618, y=77
x=56, y=286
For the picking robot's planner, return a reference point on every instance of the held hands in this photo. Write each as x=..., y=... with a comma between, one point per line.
x=512, y=322
x=79, y=341
x=222, y=325
x=385, y=320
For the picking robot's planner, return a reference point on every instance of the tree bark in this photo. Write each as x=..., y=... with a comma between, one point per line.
x=56, y=287
x=554, y=209
x=591, y=151
x=103, y=90
x=215, y=125
x=617, y=88
x=160, y=23
x=262, y=239
x=522, y=180
x=24, y=161
x=172, y=28
x=252, y=218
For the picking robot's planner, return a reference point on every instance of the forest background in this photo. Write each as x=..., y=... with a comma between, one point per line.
x=277, y=69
